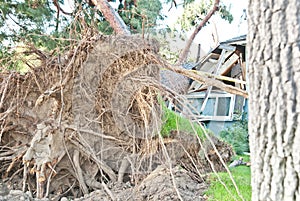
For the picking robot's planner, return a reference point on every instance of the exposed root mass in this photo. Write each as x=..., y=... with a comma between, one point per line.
x=91, y=122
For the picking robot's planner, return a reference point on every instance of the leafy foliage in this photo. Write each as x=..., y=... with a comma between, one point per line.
x=21, y=20
x=137, y=13
x=45, y=25
x=237, y=136
x=195, y=11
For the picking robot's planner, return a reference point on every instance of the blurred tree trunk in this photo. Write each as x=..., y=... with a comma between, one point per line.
x=274, y=66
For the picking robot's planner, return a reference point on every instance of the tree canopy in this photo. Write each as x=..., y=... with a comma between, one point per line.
x=33, y=20
x=195, y=11
x=47, y=24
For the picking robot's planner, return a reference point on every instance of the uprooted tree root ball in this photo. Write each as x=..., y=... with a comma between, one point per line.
x=90, y=121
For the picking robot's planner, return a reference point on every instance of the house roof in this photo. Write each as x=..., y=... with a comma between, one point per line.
x=239, y=40
x=182, y=84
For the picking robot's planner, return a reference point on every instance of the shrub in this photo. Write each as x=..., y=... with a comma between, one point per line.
x=237, y=136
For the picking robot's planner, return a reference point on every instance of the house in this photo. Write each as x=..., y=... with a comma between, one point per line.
x=218, y=109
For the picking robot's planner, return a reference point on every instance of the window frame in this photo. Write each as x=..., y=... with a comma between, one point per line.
x=215, y=95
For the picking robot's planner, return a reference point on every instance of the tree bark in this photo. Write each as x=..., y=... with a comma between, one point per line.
x=184, y=53
x=274, y=122
x=112, y=17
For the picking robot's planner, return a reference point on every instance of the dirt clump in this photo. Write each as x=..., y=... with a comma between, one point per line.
x=160, y=184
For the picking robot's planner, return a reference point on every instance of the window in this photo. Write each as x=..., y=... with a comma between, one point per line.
x=220, y=106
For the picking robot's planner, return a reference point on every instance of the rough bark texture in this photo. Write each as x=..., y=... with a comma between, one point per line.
x=274, y=67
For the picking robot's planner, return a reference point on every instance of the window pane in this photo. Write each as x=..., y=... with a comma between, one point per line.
x=223, y=106
x=210, y=107
x=194, y=105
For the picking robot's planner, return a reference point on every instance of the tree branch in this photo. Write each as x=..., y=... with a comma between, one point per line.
x=56, y=4
x=175, y=4
x=112, y=17
x=184, y=53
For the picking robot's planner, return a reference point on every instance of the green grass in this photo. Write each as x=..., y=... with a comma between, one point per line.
x=173, y=121
x=242, y=177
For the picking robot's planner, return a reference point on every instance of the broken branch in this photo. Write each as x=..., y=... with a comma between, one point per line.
x=207, y=80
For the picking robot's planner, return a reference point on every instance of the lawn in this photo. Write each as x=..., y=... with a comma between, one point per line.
x=242, y=177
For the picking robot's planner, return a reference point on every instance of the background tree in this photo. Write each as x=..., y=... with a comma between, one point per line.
x=140, y=14
x=273, y=42
x=195, y=16
x=45, y=24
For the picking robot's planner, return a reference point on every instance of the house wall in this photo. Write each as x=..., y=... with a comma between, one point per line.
x=217, y=126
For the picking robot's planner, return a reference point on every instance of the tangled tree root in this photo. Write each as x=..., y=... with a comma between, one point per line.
x=90, y=120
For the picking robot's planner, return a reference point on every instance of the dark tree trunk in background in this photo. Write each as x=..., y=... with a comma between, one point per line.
x=274, y=66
